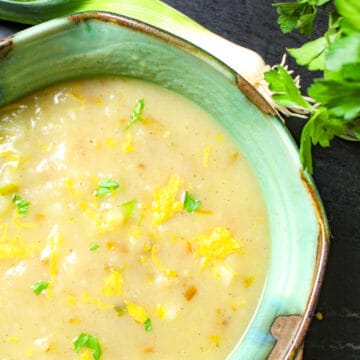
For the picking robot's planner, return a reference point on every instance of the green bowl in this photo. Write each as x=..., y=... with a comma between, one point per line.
x=94, y=43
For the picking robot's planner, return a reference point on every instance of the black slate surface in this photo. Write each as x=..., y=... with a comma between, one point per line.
x=252, y=23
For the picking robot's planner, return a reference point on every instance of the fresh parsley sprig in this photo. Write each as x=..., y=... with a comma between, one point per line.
x=298, y=15
x=337, y=54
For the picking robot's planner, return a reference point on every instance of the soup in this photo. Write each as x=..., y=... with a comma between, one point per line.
x=131, y=227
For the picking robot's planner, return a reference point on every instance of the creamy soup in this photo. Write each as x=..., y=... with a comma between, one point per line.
x=131, y=227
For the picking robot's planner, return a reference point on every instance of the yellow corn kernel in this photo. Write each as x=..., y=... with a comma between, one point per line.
x=215, y=339
x=160, y=311
x=85, y=354
x=128, y=145
x=113, y=283
x=216, y=245
x=86, y=299
x=13, y=339
x=249, y=280
x=164, y=204
x=110, y=142
x=137, y=312
x=206, y=156
x=70, y=300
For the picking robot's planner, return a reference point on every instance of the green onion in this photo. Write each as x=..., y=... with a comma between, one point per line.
x=148, y=325
x=190, y=204
x=106, y=186
x=136, y=116
x=94, y=247
x=129, y=208
x=88, y=341
x=39, y=287
x=22, y=205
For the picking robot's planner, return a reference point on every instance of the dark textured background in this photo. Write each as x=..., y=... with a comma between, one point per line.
x=252, y=23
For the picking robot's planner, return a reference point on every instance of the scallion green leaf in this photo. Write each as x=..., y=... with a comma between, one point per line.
x=129, y=208
x=148, y=325
x=190, y=203
x=136, y=116
x=39, y=287
x=22, y=205
x=94, y=247
x=88, y=341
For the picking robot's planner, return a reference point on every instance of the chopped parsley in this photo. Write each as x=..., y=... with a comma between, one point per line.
x=22, y=205
x=39, y=287
x=148, y=325
x=129, y=208
x=136, y=115
x=94, y=247
x=106, y=186
x=88, y=341
x=190, y=204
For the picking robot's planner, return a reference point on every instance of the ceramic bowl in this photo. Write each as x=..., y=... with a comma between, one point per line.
x=94, y=44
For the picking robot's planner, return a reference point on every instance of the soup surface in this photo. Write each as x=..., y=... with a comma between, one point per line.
x=131, y=227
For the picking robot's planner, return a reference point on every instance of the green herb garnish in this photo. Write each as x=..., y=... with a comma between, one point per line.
x=136, y=116
x=129, y=208
x=94, y=247
x=298, y=15
x=106, y=186
x=22, y=205
x=39, y=287
x=148, y=325
x=190, y=204
x=337, y=54
x=90, y=342
x=286, y=93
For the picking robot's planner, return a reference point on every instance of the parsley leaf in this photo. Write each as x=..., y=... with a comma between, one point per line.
x=106, y=186
x=340, y=97
x=320, y=129
x=311, y=54
x=342, y=52
x=148, y=325
x=298, y=15
x=136, y=116
x=94, y=247
x=22, y=205
x=90, y=342
x=129, y=208
x=350, y=10
x=39, y=287
x=190, y=204
x=286, y=93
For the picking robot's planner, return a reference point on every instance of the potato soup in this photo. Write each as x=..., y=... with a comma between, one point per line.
x=131, y=227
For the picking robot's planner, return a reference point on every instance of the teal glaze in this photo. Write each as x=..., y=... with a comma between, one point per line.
x=64, y=49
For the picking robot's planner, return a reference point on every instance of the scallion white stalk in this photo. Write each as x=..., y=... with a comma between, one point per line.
x=244, y=61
